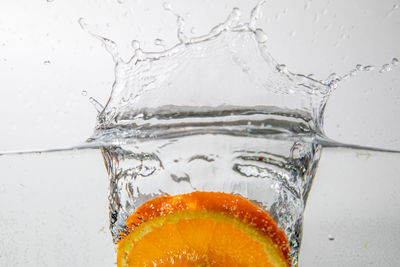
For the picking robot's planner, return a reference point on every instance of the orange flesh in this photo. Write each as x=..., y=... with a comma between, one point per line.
x=202, y=229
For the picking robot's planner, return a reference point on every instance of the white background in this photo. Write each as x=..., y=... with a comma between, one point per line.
x=42, y=105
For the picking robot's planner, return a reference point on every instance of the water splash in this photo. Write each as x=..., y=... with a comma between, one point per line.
x=334, y=79
x=233, y=44
x=222, y=83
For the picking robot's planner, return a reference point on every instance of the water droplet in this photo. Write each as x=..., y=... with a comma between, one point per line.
x=135, y=44
x=99, y=107
x=353, y=73
x=159, y=42
x=233, y=17
x=82, y=23
x=395, y=62
x=167, y=6
x=282, y=68
x=331, y=238
x=84, y=93
x=368, y=68
x=307, y=5
x=193, y=30
x=110, y=45
x=316, y=18
x=255, y=15
x=261, y=36
x=47, y=62
x=386, y=68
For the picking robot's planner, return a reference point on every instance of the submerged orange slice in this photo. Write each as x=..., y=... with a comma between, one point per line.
x=202, y=229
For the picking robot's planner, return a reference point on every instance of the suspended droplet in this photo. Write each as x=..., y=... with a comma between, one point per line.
x=307, y=5
x=82, y=23
x=331, y=237
x=84, y=93
x=167, y=6
x=395, y=62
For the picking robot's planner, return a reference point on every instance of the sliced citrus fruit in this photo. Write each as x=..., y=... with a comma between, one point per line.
x=202, y=229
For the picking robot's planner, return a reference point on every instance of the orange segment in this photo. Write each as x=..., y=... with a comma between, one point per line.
x=202, y=229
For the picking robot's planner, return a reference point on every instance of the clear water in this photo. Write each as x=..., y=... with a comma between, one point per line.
x=275, y=174
x=214, y=113
x=57, y=201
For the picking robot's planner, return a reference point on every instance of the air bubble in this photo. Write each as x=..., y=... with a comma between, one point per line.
x=331, y=238
x=395, y=62
x=47, y=62
x=84, y=93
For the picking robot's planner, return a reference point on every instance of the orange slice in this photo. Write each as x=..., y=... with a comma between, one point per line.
x=202, y=229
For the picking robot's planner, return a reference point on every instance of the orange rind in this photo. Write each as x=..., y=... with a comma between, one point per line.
x=202, y=229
